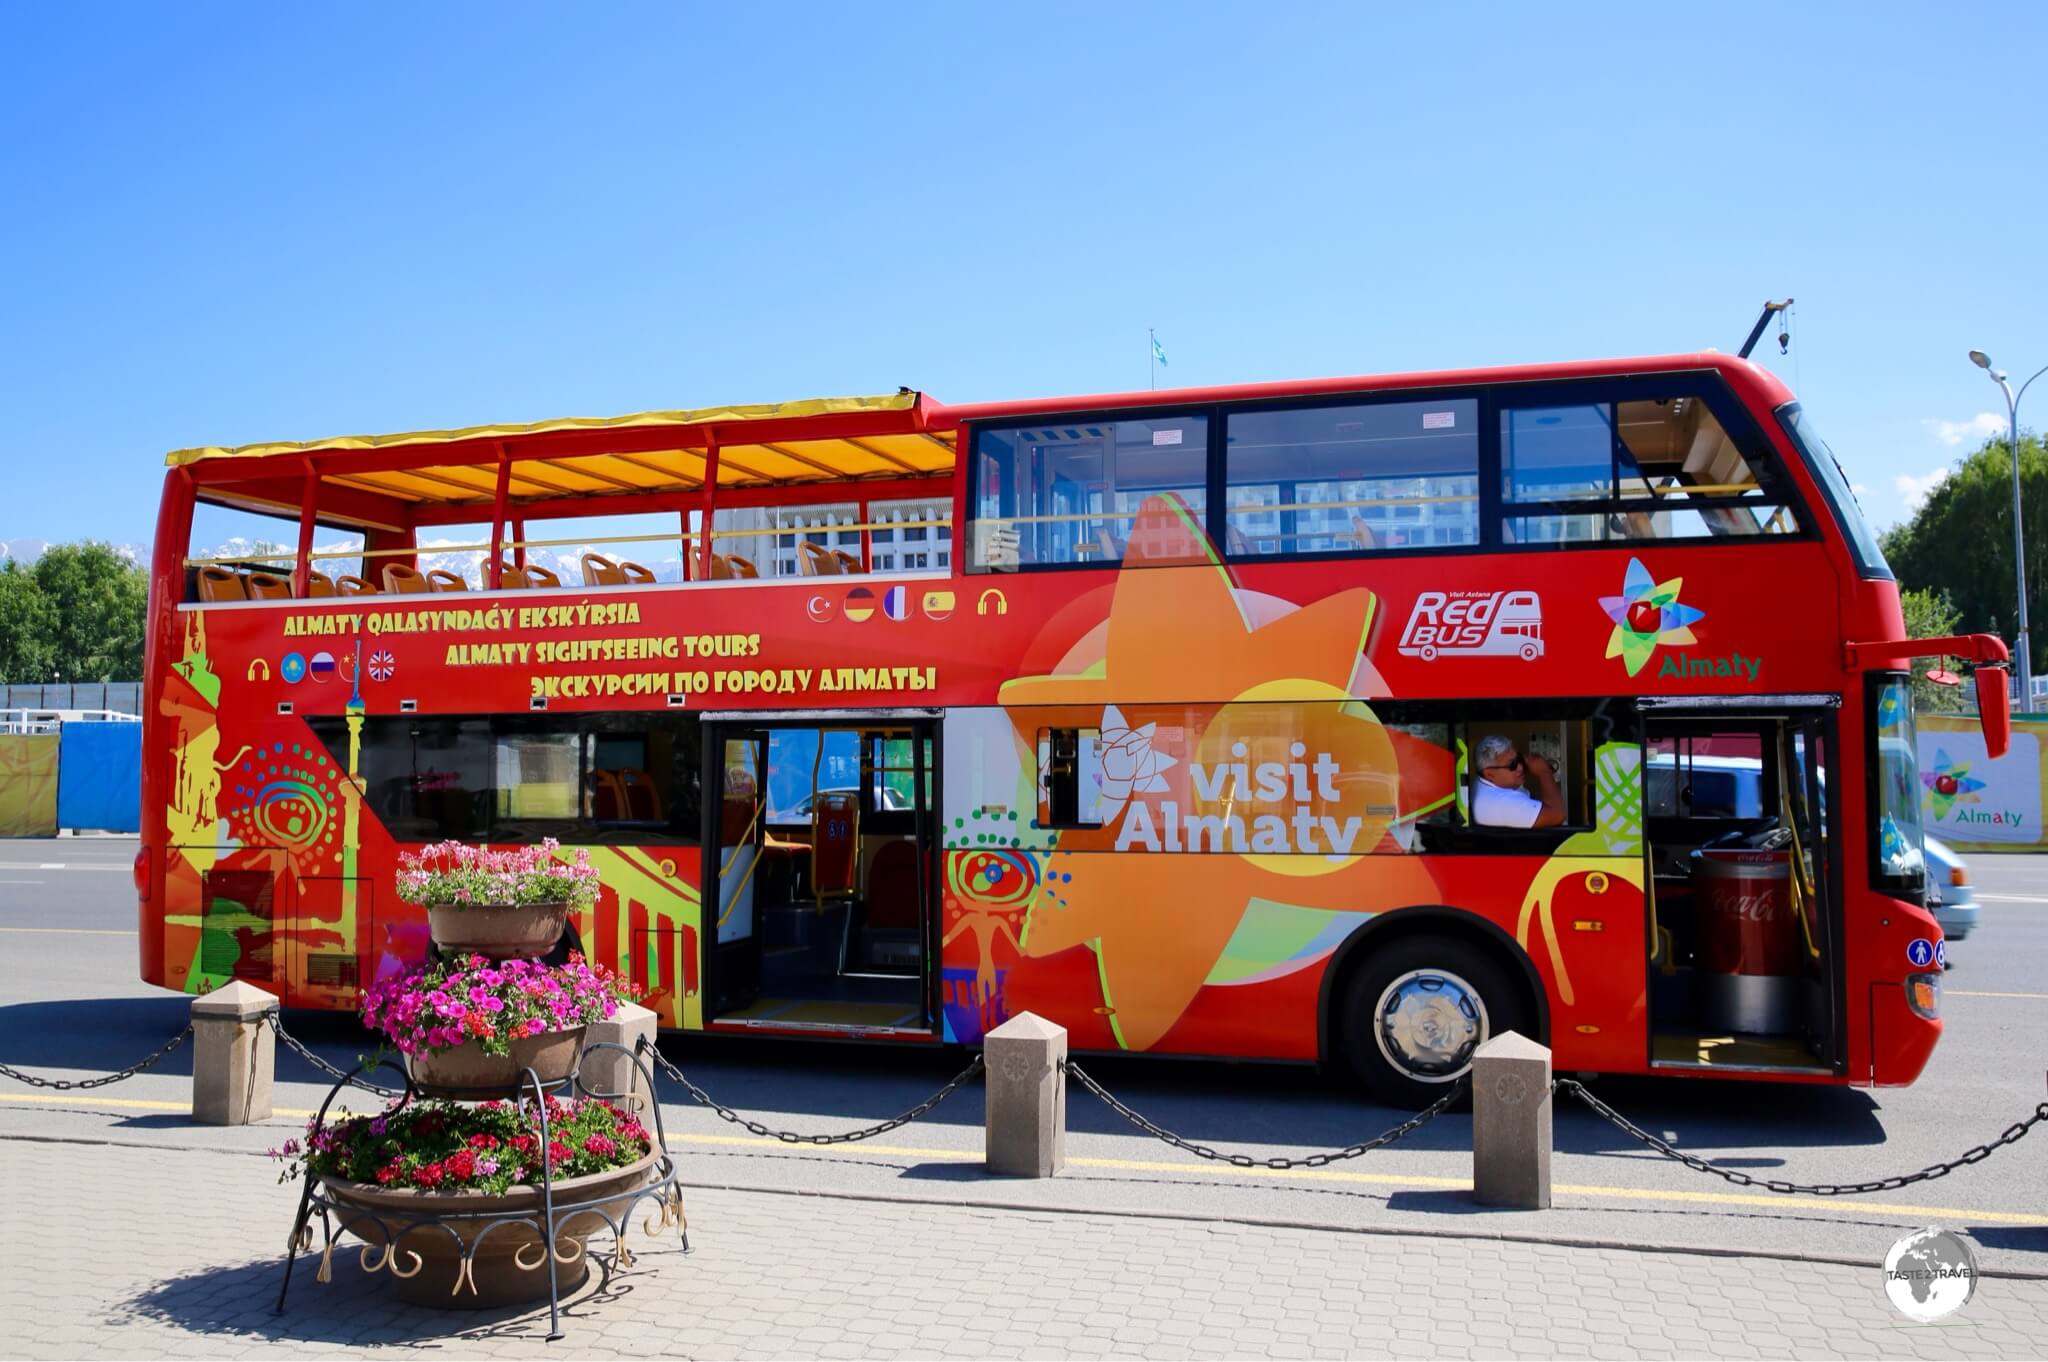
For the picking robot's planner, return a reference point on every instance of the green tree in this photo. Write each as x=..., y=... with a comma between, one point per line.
x=1931, y=615
x=27, y=624
x=1959, y=543
x=98, y=601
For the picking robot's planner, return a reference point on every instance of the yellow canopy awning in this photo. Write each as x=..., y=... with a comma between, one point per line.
x=818, y=440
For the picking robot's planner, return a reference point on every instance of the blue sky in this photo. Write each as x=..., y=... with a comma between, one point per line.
x=227, y=224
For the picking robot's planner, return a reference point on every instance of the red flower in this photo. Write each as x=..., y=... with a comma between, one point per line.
x=523, y=1143
x=559, y=1153
x=428, y=1175
x=483, y=1142
x=389, y=1173
x=461, y=1165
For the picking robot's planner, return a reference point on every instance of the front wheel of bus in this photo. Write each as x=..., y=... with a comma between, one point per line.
x=1416, y=1010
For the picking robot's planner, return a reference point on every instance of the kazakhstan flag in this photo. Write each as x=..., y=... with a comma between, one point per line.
x=1158, y=351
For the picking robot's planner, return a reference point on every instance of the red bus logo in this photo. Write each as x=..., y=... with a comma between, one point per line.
x=1474, y=624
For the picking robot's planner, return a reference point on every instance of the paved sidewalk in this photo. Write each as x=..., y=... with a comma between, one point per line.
x=122, y=1250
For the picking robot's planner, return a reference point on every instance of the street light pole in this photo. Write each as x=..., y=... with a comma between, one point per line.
x=2024, y=654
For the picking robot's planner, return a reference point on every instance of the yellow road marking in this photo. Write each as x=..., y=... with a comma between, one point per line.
x=1284, y=1174
x=71, y=931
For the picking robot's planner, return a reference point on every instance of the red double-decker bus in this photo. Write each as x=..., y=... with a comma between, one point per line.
x=1350, y=720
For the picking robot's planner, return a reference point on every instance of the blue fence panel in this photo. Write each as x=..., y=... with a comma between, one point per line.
x=99, y=777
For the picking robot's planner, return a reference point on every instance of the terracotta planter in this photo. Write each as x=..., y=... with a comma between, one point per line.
x=509, y=1267
x=467, y=1072
x=501, y=931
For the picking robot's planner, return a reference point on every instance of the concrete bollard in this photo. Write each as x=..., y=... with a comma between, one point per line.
x=608, y=1071
x=1027, y=1097
x=234, y=1055
x=1511, y=1123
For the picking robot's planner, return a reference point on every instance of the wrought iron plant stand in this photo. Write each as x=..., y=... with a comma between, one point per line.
x=443, y=1236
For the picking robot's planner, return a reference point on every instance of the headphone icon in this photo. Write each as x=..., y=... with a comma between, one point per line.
x=995, y=594
x=259, y=670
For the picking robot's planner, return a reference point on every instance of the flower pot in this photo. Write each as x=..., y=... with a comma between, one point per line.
x=508, y=1266
x=501, y=931
x=467, y=1072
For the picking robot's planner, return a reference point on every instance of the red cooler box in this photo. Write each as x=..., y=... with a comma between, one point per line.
x=1749, y=941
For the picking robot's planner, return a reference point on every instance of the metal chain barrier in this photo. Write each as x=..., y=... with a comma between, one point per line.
x=725, y=1113
x=69, y=1085
x=1379, y=1141
x=2013, y=1135
x=293, y=1044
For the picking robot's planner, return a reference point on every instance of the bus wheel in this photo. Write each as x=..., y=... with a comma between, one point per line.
x=1416, y=1010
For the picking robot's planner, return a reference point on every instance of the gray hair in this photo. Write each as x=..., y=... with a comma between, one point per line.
x=1491, y=749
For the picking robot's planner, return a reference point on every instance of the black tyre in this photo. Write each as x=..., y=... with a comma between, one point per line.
x=1416, y=1008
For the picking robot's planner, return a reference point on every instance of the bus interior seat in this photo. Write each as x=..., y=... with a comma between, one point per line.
x=642, y=796
x=599, y=570
x=1362, y=533
x=219, y=584
x=742, y=567
x=888, y=937
x=848, y=564
x=816, y=560
x=318, y=584
x=268, y=586
x=511, y=577
x=607, y=797
x=348, y=584
x=835, y=845
x=441, y=579
x=405, y=581
x=540, y=577
x=721, y=568
x=634, y=573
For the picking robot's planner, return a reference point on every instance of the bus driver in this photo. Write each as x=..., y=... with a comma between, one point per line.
x=1499, y=799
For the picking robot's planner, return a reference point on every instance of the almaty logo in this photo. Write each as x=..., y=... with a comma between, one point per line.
x=1949, y=784
x=1647, y=614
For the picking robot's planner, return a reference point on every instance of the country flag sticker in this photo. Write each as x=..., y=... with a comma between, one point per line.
x=323, y=666
x=896, y=603
x=292, y=668
x=860, y=603
x=938, y=604
x=820, y=608
x=382, y=665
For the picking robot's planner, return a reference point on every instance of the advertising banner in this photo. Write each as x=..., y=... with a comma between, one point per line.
x=1972, y=802
x=99, y=776
x=28, y=785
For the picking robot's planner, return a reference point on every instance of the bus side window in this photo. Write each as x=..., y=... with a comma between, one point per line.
x=1069, y=767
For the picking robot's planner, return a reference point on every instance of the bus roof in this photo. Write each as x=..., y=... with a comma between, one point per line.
x=1747, y=378
x=823, y=439
x=429, y=475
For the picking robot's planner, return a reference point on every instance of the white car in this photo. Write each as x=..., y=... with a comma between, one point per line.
x=1949, y=896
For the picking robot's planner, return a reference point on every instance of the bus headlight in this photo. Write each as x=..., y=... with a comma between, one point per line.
x=1923, y=995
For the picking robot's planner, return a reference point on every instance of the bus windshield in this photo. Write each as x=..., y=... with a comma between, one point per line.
x=1827, y=470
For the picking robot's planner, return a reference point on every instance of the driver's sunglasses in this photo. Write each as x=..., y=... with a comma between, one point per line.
x=1514, y=765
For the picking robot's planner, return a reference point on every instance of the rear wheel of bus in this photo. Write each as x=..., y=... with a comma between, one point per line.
x=1417, y=1009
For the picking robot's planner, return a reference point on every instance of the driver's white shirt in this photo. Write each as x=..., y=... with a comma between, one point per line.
x=1497, y=806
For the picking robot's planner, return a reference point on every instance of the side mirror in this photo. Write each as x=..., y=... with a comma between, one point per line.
x=1994, y=710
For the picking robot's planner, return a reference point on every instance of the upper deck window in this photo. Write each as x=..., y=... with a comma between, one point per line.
x=1661, y=467
x=1353, y=478
x=1068, y=492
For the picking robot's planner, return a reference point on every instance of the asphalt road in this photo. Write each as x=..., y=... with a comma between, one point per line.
x=70, y=1004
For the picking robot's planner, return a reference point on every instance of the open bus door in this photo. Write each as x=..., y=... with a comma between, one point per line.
x=822, y=856
x=1745, y=961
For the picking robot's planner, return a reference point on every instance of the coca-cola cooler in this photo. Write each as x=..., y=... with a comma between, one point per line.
x=1750, y=977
